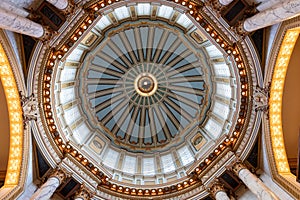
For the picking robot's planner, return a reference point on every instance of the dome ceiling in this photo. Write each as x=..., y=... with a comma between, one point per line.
x=144, y=87
x=142, y=93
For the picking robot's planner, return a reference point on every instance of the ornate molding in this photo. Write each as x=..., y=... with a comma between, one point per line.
x=30, y=108
x=261, y=99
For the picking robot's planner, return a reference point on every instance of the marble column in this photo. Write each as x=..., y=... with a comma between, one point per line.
x=82, y=194
x=254, y=184
x=13, y=22
x=10, y=7
x=60, y=4
x=66, y=6
x=49, y=187
x=268, y=4
x=274, y=15
x=218, y=191
x=225, y=2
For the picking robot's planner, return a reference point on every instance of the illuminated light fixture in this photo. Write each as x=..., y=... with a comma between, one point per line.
x=276, y=93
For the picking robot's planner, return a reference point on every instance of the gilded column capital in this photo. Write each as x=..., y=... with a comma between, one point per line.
x=83, y=193
x=60, y=174
x=215, y=187
x=215, y=5
x=239, y=28
x=48, y=33
x=237, y=166
x=69, y=9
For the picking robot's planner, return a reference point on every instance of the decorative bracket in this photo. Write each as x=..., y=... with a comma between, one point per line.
x=30, y=108
x=261, y=99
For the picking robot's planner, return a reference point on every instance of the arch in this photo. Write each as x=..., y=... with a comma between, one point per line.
x=15, y=173
x=286, y=40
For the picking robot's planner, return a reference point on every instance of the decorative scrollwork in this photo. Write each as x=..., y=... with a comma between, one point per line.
x=30, y=108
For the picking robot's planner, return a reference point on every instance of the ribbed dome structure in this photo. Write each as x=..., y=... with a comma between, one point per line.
x=146, y=84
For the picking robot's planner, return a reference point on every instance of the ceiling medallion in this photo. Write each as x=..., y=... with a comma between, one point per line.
x=146, y=84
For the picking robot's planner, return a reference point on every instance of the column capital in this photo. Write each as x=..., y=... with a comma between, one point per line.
x=70, y=8
x=237, y=166
x=48, y=33
x=215, y=5
x=60, y=174
x=215, y=187
x=83, y=193
x=239, y=28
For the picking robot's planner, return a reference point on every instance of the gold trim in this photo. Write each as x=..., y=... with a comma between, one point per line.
x=15, y=121
x=275, y=141
x=276, y=94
